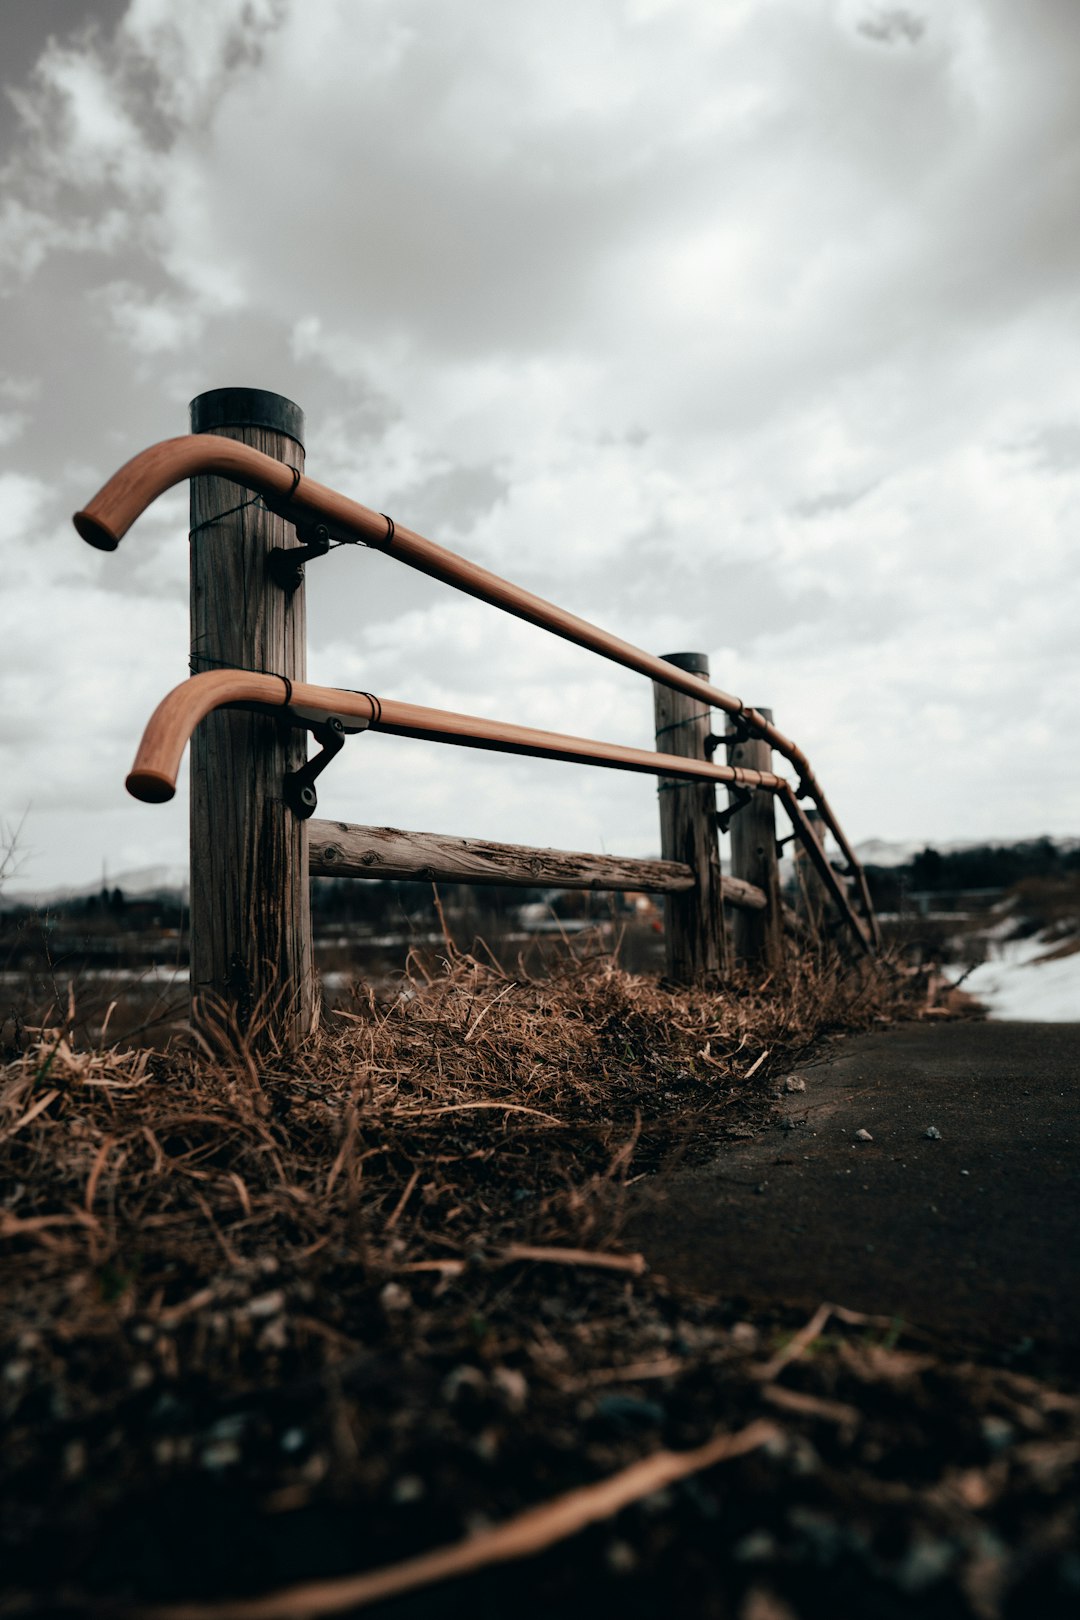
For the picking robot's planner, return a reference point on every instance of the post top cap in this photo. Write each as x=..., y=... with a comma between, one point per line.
x=695, y=663
x=246, y=407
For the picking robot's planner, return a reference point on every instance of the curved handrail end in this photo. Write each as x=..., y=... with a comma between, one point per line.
x=94, y=532
x=152, y=787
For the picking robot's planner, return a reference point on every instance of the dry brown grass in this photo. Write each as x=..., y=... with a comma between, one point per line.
x=272, y=1319
x=466, y=1109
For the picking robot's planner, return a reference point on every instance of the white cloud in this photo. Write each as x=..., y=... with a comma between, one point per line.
x=150, y=326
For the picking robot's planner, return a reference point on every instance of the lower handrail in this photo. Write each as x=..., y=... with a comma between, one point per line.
x=157, y=762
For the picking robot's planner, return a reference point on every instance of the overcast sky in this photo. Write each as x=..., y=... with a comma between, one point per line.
x=742, y=328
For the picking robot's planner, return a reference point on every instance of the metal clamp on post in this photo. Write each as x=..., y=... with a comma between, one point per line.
x=329, y=731
x=741, y=732
x=781, y=842
x=286, y=563
x=740, y=798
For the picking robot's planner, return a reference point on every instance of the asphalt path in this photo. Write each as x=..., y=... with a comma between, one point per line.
x=974, y=1233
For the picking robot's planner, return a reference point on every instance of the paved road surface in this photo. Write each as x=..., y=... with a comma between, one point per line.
x=976, y=1234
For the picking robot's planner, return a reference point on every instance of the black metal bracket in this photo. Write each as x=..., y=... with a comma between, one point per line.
x=780, y=843
x=298, y=787
x=740, y=798
x=741, y=732
x=329, y=731
x=286, y=563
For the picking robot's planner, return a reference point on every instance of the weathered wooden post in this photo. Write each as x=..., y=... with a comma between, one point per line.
x=694, y=919
x=811, y=899
x=250, y=919
x=758, y=935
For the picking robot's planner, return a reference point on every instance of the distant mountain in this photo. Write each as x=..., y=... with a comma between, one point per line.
x=142, y=883
x=883, y=852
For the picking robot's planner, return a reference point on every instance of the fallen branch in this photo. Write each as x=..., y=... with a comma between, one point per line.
x=756, y=1065
x=523, y=1536
x=766, y=1371
x=635, y=1264
x=804, y=1405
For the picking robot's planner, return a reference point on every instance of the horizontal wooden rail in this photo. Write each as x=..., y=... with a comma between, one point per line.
x=157, y=762
x=110, y=514
x=337, y=849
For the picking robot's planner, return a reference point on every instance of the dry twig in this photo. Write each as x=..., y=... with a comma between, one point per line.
x=523, y=1536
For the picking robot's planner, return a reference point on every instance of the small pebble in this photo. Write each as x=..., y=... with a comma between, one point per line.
x=794, y=1082
x=756, y=1547
x=925, y=1563
x=462, y=1378
x=271, y=1304
x=74, y=1459
x=486, y=1445
x=863, y=1136
x=228, y=1427
x=512, y=1386
x=275, y=1335
x=997, y=1432
x=628, y=1411
x=220, y=1454
x=395, y=1298
x=658, y=1501
x=621, y=1557
x=932, y=1133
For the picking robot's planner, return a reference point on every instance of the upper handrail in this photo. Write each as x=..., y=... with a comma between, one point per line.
x=299, y=499
x=152, y=777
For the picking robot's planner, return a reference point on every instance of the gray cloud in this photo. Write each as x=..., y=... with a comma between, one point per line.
x=751, y=328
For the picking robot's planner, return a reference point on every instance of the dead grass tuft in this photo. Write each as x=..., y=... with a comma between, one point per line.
x=326, y=1310
x=467, y=1109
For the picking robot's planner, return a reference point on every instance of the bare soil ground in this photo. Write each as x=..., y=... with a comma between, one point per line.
x=276, y=1330
x=967, y=1232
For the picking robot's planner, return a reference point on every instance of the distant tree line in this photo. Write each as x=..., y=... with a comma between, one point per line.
x=387, y=903
x=986, y=866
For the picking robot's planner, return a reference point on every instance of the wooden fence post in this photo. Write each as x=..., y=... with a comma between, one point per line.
x=811, y=898
x=758, y=935
x=694, y=920
x=250, y=918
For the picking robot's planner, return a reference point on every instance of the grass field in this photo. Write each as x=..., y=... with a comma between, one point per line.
x=287, y=1319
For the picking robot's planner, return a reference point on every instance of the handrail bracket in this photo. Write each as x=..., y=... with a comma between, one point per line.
x=329, y=731
x=740, y=798
x=286, y=563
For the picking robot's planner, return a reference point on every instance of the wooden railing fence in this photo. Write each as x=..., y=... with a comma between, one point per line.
x=256, y=519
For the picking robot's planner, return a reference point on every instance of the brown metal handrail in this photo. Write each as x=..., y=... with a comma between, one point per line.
x=299, y=499
x=152, y=777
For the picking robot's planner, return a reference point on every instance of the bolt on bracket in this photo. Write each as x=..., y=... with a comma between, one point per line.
x=740, y=798
x=286, y=563
x=329, y=731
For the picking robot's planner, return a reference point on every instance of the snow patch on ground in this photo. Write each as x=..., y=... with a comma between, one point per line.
x=1013, y=983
